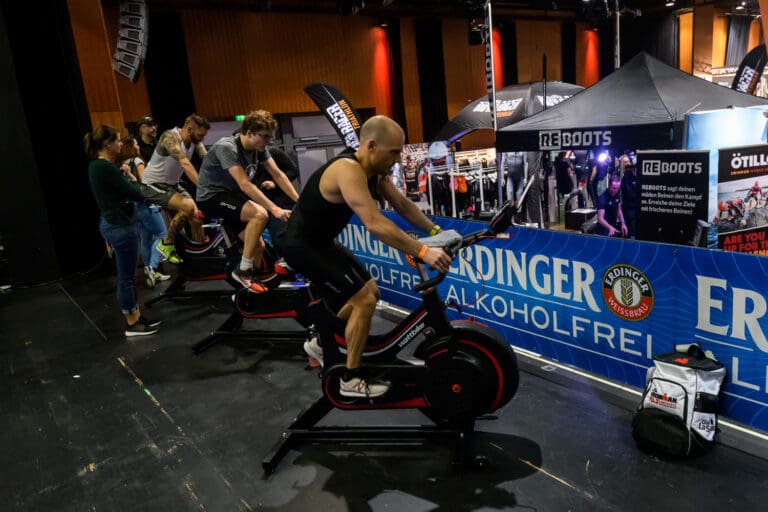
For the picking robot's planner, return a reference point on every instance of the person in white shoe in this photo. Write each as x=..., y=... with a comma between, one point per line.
x=351, y=184
x=160, y=181
x=150, y=221
x=226, y=190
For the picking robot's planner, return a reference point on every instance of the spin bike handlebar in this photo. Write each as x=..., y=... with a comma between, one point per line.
x=451, y=242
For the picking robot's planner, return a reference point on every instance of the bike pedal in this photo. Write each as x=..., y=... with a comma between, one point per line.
x=314, y=363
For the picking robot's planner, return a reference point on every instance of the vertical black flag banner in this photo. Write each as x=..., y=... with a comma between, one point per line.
x=339, y=111
x=490, y=83
x=750, y=70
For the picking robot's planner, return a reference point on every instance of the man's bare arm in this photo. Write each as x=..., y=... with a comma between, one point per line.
x=404, y=206
x=253, y=192
x=354, y=191
x=170, y=145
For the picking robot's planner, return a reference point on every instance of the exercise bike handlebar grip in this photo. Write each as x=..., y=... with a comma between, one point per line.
x=453, y=243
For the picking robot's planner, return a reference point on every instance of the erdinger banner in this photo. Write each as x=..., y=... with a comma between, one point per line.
x=601, y=304
x=742, y=217
x=674, y=195
x=750, y=70
x=339, y=111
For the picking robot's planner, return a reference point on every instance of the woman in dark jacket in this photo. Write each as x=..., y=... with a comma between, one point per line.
x=115, y=192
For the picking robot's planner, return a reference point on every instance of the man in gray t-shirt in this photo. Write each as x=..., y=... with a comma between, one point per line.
x=225, y=189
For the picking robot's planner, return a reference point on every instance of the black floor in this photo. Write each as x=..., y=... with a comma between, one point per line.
x=92, y=422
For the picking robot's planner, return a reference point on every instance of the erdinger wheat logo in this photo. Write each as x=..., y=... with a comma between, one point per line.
x=627, y=292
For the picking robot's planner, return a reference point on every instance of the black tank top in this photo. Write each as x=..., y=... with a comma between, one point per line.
x=315, y=219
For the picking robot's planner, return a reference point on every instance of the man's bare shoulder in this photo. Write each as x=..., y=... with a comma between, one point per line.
x=345, y=172
x=169, y=144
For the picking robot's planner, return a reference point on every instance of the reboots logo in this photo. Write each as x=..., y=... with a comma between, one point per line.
x=659, y=167
x=557, y=139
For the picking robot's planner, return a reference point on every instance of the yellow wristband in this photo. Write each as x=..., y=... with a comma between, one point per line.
x=423, y=252
x=435, y=230
x=275, y=211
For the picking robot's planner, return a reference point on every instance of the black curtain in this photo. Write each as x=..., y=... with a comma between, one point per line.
x=396, y=75
x=568, y=57
x=738, y=39
x=429, y=59
x=606, y=30
x=509, y=50
x=49, y=218
x=166, y=69
x=657, y=35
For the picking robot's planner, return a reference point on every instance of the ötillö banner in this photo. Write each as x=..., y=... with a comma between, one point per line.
x=339, y=111
x=602, y=304
x=742, y=210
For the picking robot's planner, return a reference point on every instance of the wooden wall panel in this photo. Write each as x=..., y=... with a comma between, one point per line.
x=464, y=66
x=719, y=39
x=755, y=34
x=587, y=55
x=410, y=75
x=685, y=43
x=534, y=39
x=240, y=61
x=703, y=21
x=95, y=59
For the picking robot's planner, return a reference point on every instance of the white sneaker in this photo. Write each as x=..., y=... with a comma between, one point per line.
x=359, y=388
x=314, y=350
x=151, y=277
x=159, y=276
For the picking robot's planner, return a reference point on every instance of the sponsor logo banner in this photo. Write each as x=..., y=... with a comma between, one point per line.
x=750, y=70
x=674, y=195
x=741, y=219
x=599, y=304
x=573, y=139
x=339, y=111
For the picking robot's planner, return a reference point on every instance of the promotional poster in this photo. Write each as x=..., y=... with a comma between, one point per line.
x=742, y=217
x=601, y=304
x=674, y=195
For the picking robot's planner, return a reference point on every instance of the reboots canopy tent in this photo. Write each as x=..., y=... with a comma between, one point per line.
x=643, y=104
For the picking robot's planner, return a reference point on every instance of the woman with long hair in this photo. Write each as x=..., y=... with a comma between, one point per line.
x=115, y=191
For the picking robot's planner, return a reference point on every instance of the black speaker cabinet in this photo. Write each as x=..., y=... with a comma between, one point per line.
x=575, y=218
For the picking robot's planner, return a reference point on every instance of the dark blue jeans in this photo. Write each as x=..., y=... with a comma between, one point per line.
x=125, y=245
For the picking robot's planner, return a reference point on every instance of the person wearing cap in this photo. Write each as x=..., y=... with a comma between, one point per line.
x=147, y=136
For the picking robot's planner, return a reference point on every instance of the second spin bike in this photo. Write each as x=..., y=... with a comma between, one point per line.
x=460, y=370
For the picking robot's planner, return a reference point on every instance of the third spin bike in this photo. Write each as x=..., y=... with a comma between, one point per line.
x=460, y=370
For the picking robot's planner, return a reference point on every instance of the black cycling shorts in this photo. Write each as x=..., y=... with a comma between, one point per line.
x=226, y=206
x=331, y=266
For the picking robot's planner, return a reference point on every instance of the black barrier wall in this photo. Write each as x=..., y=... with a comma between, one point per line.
x=49, y=219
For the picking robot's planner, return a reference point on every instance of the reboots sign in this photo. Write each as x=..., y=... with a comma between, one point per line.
x=673, y=195
x=600, y=304
x=573, y=139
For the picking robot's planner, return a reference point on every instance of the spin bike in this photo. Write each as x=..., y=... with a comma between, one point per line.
x=460, y=371
x=212, y=260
